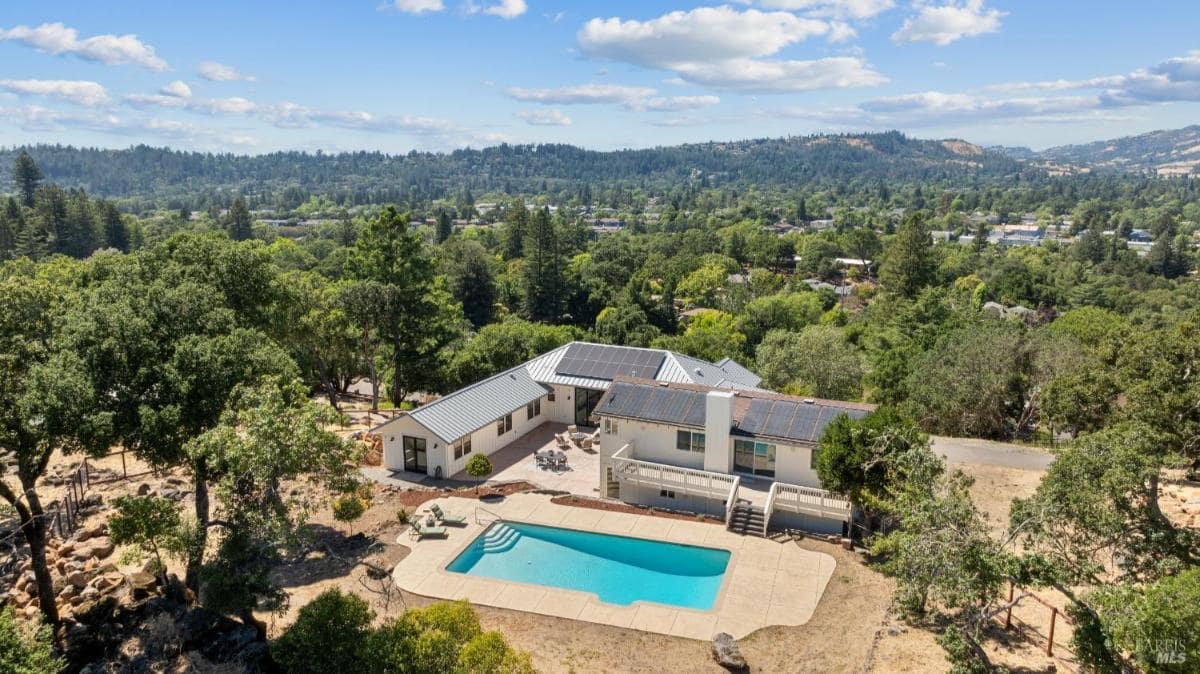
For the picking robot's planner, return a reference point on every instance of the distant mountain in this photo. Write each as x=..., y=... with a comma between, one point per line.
x=1163, y=153
x=164, y=176
x=1018, y=152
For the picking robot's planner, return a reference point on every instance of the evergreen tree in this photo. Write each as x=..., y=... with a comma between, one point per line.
x=77, y=235
x=909, y=264
x=239, y=221
x=116, y=234
x=444, y=227
x=10, y=224
x=516, y=221
x=27, y=177
x=543, y=269
x=49, y=216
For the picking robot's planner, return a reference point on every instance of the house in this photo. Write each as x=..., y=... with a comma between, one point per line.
x=688, y=446
x=563, y=386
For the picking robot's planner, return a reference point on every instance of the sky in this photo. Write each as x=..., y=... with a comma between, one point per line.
x=397, y=75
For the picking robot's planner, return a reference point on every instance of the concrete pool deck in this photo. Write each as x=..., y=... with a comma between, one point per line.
x=766, y=582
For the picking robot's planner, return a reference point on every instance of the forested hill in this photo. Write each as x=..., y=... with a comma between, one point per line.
x=365, y=177
x=1165, y=153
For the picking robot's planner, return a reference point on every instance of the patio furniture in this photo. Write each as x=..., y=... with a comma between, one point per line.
x=418, y=530
x=444, y=518
x=563, y=441
x=572, y=429
x=560, y=460
x=544, y=459
x=586, y=443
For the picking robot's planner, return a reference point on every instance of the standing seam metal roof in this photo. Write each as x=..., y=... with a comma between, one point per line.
x=471, y=408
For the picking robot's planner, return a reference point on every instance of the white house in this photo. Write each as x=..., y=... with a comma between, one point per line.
x=688, y=446
x=560, y=386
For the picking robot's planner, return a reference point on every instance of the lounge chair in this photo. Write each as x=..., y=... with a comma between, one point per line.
x=444, y=518
x=418, y=530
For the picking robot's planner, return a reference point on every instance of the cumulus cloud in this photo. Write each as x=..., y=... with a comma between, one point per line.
x=38, y=118
x=219, y=72
x=728, y=48
x=505, y=9
x=638, y=99
x=208, y=106
x=851, y=9
x=177, y=88
x=551, y=117
x=943, y=24
x=56, y=38
x=418, y=6
x=79, y=92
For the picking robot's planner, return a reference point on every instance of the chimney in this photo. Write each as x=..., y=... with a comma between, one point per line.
x=718, y=420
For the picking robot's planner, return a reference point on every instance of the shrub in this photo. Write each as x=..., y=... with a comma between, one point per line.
x=479, y=466
x=152, y=523
x=349, y=507
x=23, y=651
x=330, y=635
x=488, y=653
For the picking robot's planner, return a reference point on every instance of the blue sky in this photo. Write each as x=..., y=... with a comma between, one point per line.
x=396, y=75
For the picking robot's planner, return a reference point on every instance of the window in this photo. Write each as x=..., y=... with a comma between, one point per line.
x=504, y=425
x=550, y=397
x=462, y=447
x=812, y=458
x=610, y=426
x=687, y=441
x=757, y=458
x=666, y=493
x=533, y=409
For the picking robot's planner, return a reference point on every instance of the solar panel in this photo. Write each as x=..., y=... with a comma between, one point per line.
x=695, y=415
x=756, y=416
x=677, y=404
x=803, y=422
x=780, y=419
x=597, y=361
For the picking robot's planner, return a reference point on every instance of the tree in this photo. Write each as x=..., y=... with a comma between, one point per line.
x=444, y=227
x=865, y=458
x=712, y=335
x=626, y=324
x=500, y=346
x=417, y=316
x=27, y=177
x=365, y=304
x=151, y=523
x=1155, y=623
x=116, y=234
x=349, y=507
x=23, y=651
x=479, y=466
x=544, y=282
x=472, y=279
x=239, y=222
x=908, y=264
x=270, y=433
x=817, y=361
x=516, y=222
x=704, y=286
x=314, y=325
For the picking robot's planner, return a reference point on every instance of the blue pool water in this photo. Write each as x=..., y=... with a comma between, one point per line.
x=619, y=569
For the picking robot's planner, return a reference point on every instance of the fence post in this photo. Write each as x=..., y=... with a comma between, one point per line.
x=124, y=471
x=1050, y=641
x=1008, y=618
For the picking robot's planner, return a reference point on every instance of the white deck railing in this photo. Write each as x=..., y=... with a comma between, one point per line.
x=662, y=476
x=805, y=500
x=731, y=500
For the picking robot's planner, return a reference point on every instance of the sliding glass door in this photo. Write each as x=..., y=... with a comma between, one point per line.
x=414, y=455
x=585, y=403
x=754, y=458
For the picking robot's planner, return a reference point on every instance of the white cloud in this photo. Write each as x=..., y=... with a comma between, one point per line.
x=208, y=106
x=751, y=75
x=705, y=34
x=727, y=48
x=850, y=9
x=178, y=89
x=840, y=31
x=37, y=118
x=56, y=38
x=219, y=72
x=581, y=93
x=505, y=9
x=944, y=24
x=418, y=6
x=551, y=117
x=79, y=92
x=673, y=103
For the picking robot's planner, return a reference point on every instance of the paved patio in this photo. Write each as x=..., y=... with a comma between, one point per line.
x=516, y=462
x=766, y=582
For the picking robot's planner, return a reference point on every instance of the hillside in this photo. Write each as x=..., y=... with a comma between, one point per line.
x=1164, y=153
x=165, y=175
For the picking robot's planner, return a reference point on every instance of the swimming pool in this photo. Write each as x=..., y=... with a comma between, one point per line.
x=618, y=569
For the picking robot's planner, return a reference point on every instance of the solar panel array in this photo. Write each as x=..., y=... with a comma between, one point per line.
x=654, y=403
x=598, y=361
x=790, y=420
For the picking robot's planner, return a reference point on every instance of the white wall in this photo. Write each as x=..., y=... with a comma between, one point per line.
x=791, y=466
x=718, y=419
x=393, y=443
x=486, y=441
x=651, y=442
x=562, y=410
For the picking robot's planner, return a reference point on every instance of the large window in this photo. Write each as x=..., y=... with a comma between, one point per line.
x=757, y=458
x=610, y=426
x=688, y=441
x=462, y=447
x=533, y=409
x=504, y=424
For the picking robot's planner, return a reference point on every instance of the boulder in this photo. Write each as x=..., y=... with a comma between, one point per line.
x=143, y=489
x=141, y=585
x=727, y=654
x=79, y=579
x=101, y=548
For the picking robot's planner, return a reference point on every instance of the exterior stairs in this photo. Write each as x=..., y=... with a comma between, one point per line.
x=746, y=519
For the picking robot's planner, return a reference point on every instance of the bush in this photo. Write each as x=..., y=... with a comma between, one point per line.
x=479, y=466
x=330, y=635
x=488, y=653
x=23, y=651
x=349, y=507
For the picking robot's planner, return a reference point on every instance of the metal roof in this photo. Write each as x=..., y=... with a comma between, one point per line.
x=471, y=408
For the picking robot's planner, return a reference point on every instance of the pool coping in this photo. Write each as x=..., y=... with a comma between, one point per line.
x=765, y=582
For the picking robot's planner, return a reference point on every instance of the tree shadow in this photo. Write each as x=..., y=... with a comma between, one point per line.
x=329, y=553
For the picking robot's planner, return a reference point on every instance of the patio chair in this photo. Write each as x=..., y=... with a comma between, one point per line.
x=544, y=459
x=444, y=518
x=560, y=460
x=564, y=442
x=418, y=530
x=572, y=429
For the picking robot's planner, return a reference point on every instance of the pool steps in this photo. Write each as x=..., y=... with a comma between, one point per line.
x=501, y=538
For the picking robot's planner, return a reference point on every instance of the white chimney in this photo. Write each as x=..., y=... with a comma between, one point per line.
x=718, y=420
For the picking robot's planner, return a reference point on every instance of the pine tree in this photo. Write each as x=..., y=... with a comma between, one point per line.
x=77, y=234
x=27, y=177
x=116, y=234
x=239, y=221
x=543, y=269
x=10, y=224
x=444, y=227
x=909, y=264
x=516, y=221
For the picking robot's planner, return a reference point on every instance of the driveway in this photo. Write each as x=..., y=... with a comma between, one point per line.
x=990, y=453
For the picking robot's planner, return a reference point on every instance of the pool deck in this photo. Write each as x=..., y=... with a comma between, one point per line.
x=766, y=582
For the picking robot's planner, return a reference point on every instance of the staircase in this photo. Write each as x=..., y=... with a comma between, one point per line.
x=500, y=538
x=746, y=519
